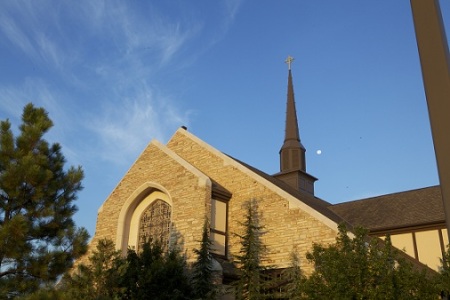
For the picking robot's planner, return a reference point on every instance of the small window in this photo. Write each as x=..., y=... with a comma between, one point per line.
x=219, y=214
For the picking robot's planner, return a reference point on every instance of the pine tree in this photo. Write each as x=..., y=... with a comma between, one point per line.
x=148, y=274
x=202, y=269
x=100, y=278
x=38, y=237
x=253, y=277
x=153, y=274
x=294, y=279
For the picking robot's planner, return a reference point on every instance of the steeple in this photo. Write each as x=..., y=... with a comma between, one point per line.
x=292, y=152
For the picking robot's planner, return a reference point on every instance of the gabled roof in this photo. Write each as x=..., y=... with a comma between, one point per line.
x=335, y=212
x=415, y=208
x=315, y=203
x=350, y=213
x=314, y=206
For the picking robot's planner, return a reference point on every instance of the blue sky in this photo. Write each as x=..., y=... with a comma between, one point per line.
x=116, y=74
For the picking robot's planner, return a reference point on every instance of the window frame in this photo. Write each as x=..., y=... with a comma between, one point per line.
x=223, y=196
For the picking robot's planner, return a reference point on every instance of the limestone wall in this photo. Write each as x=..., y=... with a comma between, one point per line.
x=188, y=190
x=288, y=226
x=183, y=170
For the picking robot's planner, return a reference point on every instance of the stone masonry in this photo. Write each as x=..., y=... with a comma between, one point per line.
x=184, y=170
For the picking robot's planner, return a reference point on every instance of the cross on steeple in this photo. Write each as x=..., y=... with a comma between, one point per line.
x=289, y=61
x=292, y=152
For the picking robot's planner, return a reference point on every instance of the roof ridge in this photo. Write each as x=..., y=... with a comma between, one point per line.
x=315, y=208
x=384, y=195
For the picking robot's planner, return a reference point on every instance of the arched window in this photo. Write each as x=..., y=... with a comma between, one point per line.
x=154, y=224
x=146, y=218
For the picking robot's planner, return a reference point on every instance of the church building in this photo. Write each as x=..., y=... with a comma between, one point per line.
x=170, y=189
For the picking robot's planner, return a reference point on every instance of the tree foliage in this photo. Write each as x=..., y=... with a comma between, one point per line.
x=363, y=268
x=443, y=278
x=202, y=277
x=160, y=276
x=254, y=281
x=100, y=279
x=38, y=238
x=353, y=268
x=293, y=280
x=149, y=274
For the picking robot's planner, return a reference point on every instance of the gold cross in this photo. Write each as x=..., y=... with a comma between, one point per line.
x=289, y=61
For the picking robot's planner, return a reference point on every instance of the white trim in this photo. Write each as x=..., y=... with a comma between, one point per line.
x=128, y=207
x=203, y=180
x=127, y=211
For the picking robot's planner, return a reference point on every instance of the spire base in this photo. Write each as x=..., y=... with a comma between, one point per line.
x=298, y=179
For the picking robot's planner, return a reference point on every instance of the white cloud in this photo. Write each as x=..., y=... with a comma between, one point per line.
x=16, y=35
x=125, y=128
x=102, y=58
x=14, y=98
x=232, y=8
x=50, y=52
x=129, y=31
x=62, y=36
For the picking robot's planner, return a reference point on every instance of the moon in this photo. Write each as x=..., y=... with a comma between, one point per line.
x=319, y=152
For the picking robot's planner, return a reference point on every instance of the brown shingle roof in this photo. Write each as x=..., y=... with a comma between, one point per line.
x=399, y=210
x=316, y=203
x=408, y=208
x=412, y=208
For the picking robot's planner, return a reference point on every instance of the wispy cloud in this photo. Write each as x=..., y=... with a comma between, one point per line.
x=16, y=35
x=232, y=9
x=14, y=98
x=125, y=129
x=50, y=52
x=103, y=58
x=128, y=31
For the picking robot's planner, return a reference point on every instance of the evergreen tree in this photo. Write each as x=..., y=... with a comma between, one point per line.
x=364, y=268
x=131, y=276
x=38, y=238
x=293, y=280
x=202, y=271
x=153, y=274
x=443, y=279
x=101, y=278
x=254, y=281
x=148, y=274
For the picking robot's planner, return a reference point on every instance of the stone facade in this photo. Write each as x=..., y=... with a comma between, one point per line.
x=157, y=169
x=184, y=170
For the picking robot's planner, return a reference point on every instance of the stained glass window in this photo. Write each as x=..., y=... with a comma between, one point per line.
x=154, y=224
